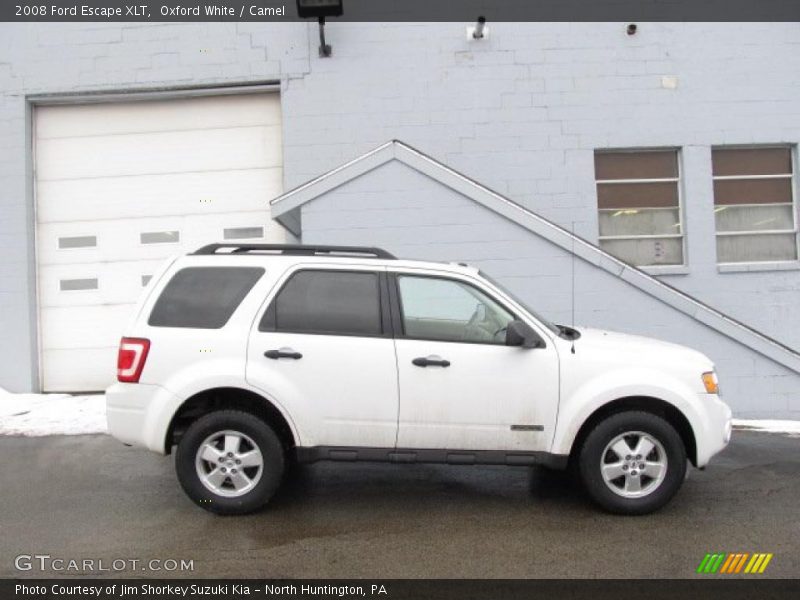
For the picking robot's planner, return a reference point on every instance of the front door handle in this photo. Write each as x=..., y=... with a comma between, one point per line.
x=430, y=361
x=283, y=353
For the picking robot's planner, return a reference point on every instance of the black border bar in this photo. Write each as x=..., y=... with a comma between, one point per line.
x=404, y=10
x=711, y=587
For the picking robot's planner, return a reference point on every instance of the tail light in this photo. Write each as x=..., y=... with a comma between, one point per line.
x=130, y=359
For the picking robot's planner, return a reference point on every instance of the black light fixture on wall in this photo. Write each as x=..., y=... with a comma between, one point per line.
x=319, y=9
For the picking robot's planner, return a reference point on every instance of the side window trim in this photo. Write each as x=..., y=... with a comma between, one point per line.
x=387, y=323
x=269, y=322
x=396, y=305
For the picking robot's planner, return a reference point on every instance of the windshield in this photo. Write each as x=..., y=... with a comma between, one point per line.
x=551, y=326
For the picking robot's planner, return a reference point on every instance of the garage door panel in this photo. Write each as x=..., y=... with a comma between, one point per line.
x=160, y=152
x=120, y=188
x=155, y=195
x=158, y=115
x=93, y=284
x=150, y=238
x=79, y=370
x=116, y=240
x=70, y=327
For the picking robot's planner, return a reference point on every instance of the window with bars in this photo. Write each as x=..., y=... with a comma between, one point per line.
x=639, y=205
x=754, y=205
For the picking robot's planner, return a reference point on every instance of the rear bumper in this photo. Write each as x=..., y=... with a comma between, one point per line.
x=716, y=428
x=135, y=414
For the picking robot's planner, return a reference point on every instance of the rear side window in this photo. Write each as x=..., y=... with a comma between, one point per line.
x=327, y=302
x=203, y=297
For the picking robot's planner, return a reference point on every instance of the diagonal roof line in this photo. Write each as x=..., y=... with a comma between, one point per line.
x=284, y=208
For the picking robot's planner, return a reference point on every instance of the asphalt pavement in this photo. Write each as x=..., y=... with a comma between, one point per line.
x=91, y=498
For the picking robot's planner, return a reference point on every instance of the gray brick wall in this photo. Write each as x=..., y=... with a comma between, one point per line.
x=521, y=112
x=524, y=112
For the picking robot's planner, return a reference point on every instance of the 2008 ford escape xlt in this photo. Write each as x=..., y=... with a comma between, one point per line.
x=244, y=357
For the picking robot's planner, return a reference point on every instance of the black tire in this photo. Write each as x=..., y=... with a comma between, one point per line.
x=261, y=435
x=593, y=453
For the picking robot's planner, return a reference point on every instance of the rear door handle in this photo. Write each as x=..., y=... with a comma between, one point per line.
x=430, y=361
x=283, y=353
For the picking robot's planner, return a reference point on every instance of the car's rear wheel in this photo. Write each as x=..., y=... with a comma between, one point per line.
x=229, y=462
x=632, y=463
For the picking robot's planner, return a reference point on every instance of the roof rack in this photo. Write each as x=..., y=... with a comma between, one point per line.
x=295, y=250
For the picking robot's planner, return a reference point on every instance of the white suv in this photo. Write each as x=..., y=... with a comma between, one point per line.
x=246, y=357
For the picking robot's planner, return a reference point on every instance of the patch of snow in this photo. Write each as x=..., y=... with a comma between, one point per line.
x=768, y=425
x=51, y=414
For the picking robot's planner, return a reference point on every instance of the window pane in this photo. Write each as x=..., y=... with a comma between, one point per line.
x=642, y=208
x=242, y=233
x=640, y=222
x=203, y=297
x=752, y=191
x=754, y=218
x=79, y=241
x=331, y=302
x=751, y=161
x=447, y=310
x=74, y=285
x=756, y=248
x=646, y=252
x=160, y=237
x=659, y=164
x=637, y=195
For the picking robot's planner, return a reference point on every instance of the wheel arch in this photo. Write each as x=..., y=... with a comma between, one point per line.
x=223, y=398
x=669, y=412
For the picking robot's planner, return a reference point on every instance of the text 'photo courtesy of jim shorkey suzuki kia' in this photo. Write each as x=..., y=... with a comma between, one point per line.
x=244, y=358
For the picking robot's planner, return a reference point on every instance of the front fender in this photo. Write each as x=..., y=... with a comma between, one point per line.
x=582, y=402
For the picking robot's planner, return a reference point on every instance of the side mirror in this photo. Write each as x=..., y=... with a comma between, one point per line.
x=519, y=333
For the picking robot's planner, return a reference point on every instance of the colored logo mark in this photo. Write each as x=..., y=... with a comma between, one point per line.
x=734, y=562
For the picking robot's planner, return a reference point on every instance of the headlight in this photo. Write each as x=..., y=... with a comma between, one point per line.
x=711, y=382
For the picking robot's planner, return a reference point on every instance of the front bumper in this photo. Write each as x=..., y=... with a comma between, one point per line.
x=136, y=414
x=716, y=428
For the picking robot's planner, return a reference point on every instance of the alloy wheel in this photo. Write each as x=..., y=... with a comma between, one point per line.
x=634, y=464
x=229, y=463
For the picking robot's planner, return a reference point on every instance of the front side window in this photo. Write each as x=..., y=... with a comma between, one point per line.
x=203, y=297
x=638, y=201
x=328, y=303
x=754, y=204
x=450, y=311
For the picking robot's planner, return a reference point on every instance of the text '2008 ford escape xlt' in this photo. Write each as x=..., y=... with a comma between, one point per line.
x=245, y=357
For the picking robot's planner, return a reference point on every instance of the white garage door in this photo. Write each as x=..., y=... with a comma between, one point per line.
x=122, y=186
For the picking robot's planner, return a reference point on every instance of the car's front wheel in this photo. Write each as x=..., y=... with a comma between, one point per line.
x=229, y=462
x=632, y=463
